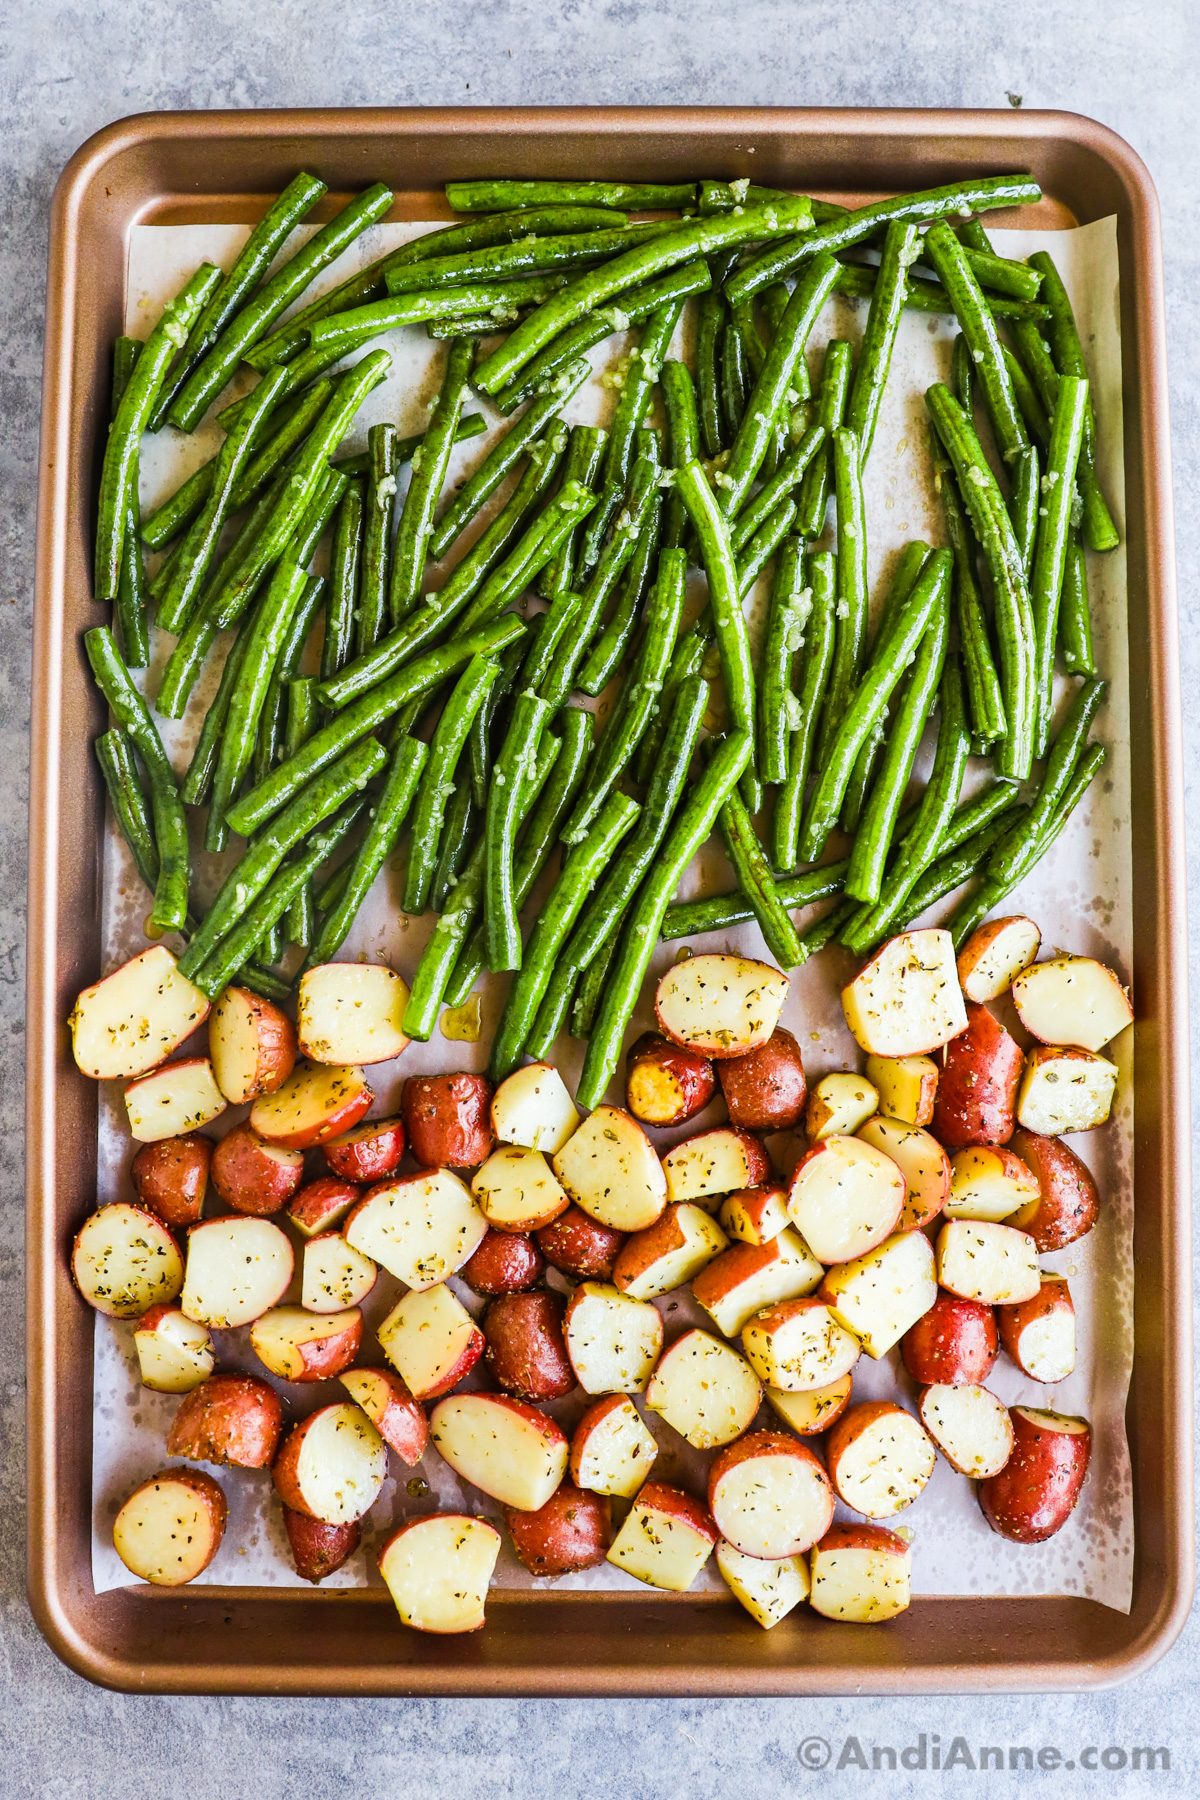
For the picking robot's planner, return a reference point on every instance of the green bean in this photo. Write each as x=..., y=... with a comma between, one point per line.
x=470, y=692
x=1023, y=507
x=757, y=883
x=857, y=280
x=429, y=466
x=979, y=329
x=287, y=665
x=683, y=418
x=728, y=618
x=962, y=375
x=644, y=920
x=900, y=248
x=344, y=563
x=734, y=380
x=853, y=606
x=962, y=825
x=692, y=918
x=1066, y=441
x=691, y=647
x=819, y=640
x=832, y=397
x=534, y=551
x=1076, y=628
x=585, y=453
x=1098, y=527
x=131, y=604
x=1068, y=746
x=115, y=755
x=954, y=867
x=387, y=815
x=788, y=475
x=377, y=538
x=479, y=744
x=499, y=462
x=523, y=256
x=645, y=362
x=203, y=765
x=743, y=321
x=610, y=648
x=517, y=753
x=462, y=820
x=904, y=580
x=787, y=617
x=591, y=987
x=1001, y=275
x=709, y=327
x=633, y=196
x=763, y=545
x=983, y=684
x=335, y=336
x=300, y=921
x=1026, y=396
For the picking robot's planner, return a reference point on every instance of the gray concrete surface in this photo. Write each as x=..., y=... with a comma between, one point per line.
x=64, y=72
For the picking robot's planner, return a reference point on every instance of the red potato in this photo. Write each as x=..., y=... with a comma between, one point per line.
x=838, y=1105
x=173, y=1100
x=136, y=1017
x=989, y=1182
x=954, y=1344
x=303, y=1346
x=1036, y=1492
x=612, y=1339
x=995, y=954
x=351, y=1013
x=612, y=1452
x=970, y=1427
x=906, y=1000
x=431, y=1340
x=807, y=1414
x=254, y=1177
x=992, y=1263
x=314, y=1104
x=1072, y=1000
x=517, y=1190
x=581, y=1247
x=798, y=1346
x=124, y=1261
x=922, y=1162
x=170, y=1528
x=720, y=1005
x=907, y=1087
x=978, y=1088
x=861, y=1574
x=232, y=1419
x=666, y=1539
x=237, y=1269
x=319, y=1549
x=669, y=1252
x=506, y=1262
x=1068, y=1200
x=174, y=1355
x=252, y=1043
x=447, y=1119
x=1039, y=1334
x=666, y=1083
x=437, y=1570
x=756, y=1215
x=704, y=1390
x=505, y=1447
x=321, y=1205
x=1065, y=1090
x=397, y=1417
x=880, y=1458
x=420, y=1228
x=713, y=1163
x=532, y=1107
x=879, y=1295
x=171, y=1177
x=334, y=1275
x=331, y=1466
x=765, y=1090
x=845, y=1197
x=369, y=1153
x=573, y=1530
x=743, y=1279
x=769, y=1496
x=768, y=1590
x=526, y=1350
x=610, y=1169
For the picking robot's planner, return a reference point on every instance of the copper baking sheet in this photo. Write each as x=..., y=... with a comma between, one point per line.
x=172, y=168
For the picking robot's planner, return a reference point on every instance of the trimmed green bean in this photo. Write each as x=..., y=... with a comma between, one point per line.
x=470, y=693
x=787, y=617
x=691, y=647
x=735, y=380
x=300, y=920
x=857, y=280
x=591, y=985
x=683, y=417
x=962, y=375
x=757, y=883
x=1066, y=441
x=979, y=329
x=709, y=326
x=853, y=608
x=287, y=666
x=1010, y=856
x=479, y=745
x=1029, y=405
x=763, y=545
x=1076, y=627
x=1098, y=526
x=344, y=563
x=912, y=558
x=729, y=620
x=605, y=658
x=633, y=196
x=832, y=397
x=643, y=372
x=498, y=464
x=387, y=816
x=377, y=538
x=118, y=766
x=789, y=473
x=522, y=256
x=429, y=466
x=954, y=867
x=693, y=918
x=900, y=248
x=585, y=453
x=462, y=820
x=131, y=604
x=1000, y=274
x=983, y=684
x=1023, y=508
x=819, y=640
x=516, y=759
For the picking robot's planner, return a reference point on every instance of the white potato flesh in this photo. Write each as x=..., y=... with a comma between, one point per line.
x=431, y=1341
x=920, y=1159
x=720, y=1005
x=737, y=1285
x=132, y=1020
x=420, y=1229
x=707, y=1166
x=438, y=1571
x=173, y=1100
x=313, y=1104
x=125, y=1261
x=615, y=1454
x=517, y=1190
x=846, y=1197
x=512, y=1452
x=704, y=1390
x=612, y=1339
x=167, y=1532
x=995, y=954
x=838, y=1104
x=610, y=1169
x=992, y=1263
x=686, y=1240
x=1072, y=1000
x=278, y=1337
x=341, y=1466
x=907, y=1000
x=799, y=1347
x=810, y=1412
x=862, y=1586
x=334, y=1274
x=970, y=1427
x=1065, y=1090
x=907, y=1086
x=532, y=1107
x=351, y=1013
x=768, y=1590
x=755, y=1217
x=1045, y=1345
x=772, y=1505
x=884, y=1466
x=175, y=1355
x=881, y=1294
x=988, y=1185
x=252, y=1045
x=662, y=1549
x=237, y=1269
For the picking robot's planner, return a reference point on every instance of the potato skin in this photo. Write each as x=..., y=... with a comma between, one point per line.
x=977, y=1093
x=1035, y=1492
x=506, y=1262
x=573, y=1530
x=228, y=1419
x=580, y=1246
x=368, y=1153
x=171, y=1177
x=323, y=1204
x=317, y=1548
x=526, y=1350
x=252, y=1177
x=1070, y=1200
x=448, y=1120
x=954, y=1344
x=765, y=1090
x=666, y=1083
x=1054, y=1296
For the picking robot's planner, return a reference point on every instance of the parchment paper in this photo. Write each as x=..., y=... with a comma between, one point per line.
x=1080, y=896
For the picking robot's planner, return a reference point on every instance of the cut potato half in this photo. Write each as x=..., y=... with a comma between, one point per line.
x=532, y=1107
x=995, y=954
x=437, y=1570
x=313, y=1104
x=879, y=1295
x=176, y=1099
x=922, y=1162
x=907, y=1000
x=907, y=1087
x=1065, y=1090
x=704, y=1390
x=989, y=1183
x=237, y=1269
x=124, y=1261
x=174, y=1354
x=612, y=1451
x=861, y=1574
x=1039, y=1334
x=720, y=1005
x=252, y=1043
x=880, y=1458
x=669, y=1252
x=420, y=1228
x=745, y=1278
x=334, y=1274
x=332, y=1465
x=1072, y=1000
x=368, y=1153
x=517, y=1190
x=1036, y=1491
x=714, y=1163
x=431, y=1341
x=970, y=1427
x=813, y=1411
x=304, y=1346
x=756, y=1215
x=845, y=1197
x=838, y=1105
x=769, y=1496
x=991, y=1263
x=387, y=1402
x=613, y=1340
x=769, y=1591
x=610, y=1169
x=170, y=1528
x=505, y=1447
x=666, y=1539
x=233, y=1419
x=132, y=1020
x=349, y=1013
x=798, y=1346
